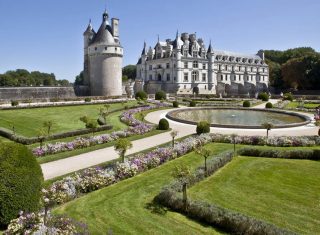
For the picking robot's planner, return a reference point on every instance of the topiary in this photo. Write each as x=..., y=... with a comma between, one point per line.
x=141, y=95
x=175, y=104
x=288, y=96
x=101, y=121
x=160, y=95
x=87, y=99
x=163, y=124
x=14, y=103
x=203, y=127
x=20, y=181
x=246, y=103
x=263, y=96
x=192, y=103
x=269, y=105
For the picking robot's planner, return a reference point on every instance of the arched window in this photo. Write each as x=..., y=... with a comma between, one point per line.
x=159, y=77
x=194, y=76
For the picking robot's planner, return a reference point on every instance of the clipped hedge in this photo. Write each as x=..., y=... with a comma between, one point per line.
x=263, y=96
x=20, y=182
x=192, y=103
x=203, y=127
x=163, y=124
x=246, y=104
x=269, y=105
x=141, y=95
x=160, y=95
x=175, y=104
x=311, y=154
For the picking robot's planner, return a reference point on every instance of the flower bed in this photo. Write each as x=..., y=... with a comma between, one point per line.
x=136, y=127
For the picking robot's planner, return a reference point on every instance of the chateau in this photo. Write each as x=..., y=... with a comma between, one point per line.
x=103, y=58
x=186, y=66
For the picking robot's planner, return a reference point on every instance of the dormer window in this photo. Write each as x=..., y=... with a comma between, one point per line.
x=195, y=54
x=195, y=64
x=95, y=48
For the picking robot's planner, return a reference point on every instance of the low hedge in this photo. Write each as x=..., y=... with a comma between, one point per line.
x=212, y=214
x=310, y=154
x=246, y=104
x=163, y=124
x=269, y=105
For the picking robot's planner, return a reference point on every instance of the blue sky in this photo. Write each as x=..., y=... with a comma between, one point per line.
x=46, y=35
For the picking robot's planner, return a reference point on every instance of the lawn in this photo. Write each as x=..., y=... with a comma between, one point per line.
x=27, y=122
x=295, y=104
x=123, y=208
x=283, y=192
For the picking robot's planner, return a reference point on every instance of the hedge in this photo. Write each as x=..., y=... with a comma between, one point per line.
x=203, y=127
x=163, y=124
x=20, y=181
x=175, y=104
x=160, y=95
x=311, y=154
x=246, y=104
x=141, y=95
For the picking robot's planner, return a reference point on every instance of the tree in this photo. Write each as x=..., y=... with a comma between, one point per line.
x=41, y=135
x=181, y=173
x=48, y=125
x=173, y=136
x=79, y=79
x=90, y=123
x=121, y=146
x=200, y=150
x=129, y=71
x=268, y=127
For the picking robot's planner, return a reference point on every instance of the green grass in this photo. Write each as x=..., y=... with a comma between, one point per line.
x=282, y=192
x=28, y=121
x=295, y=104
x=123, y=207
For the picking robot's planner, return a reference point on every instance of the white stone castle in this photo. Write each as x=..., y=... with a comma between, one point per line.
x=185, y=66
x=103, y=59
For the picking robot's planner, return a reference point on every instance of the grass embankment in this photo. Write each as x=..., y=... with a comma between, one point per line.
x=283, y=192
x=27, y=121
x=124, y=208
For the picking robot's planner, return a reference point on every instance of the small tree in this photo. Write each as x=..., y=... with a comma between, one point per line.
x=121, y=146
x=173, y=136
x=181, y=173
x=142, y=116
x=48, y=126
x=203, y=127
x=200, y=150
x=41, y=135
x=268, y=126
x=233, y=137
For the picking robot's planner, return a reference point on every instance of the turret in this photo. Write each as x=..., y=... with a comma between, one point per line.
x=88, y=35
x=210, y=55
x=261, y=54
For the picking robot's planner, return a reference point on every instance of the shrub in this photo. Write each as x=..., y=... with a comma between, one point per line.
x=288, y=96
x=87, y=99
x=246, y=103
x=20, y=181
x=14, y=103
x=141, y=95
x=175, y=104
x=160, y=95
x=263, y=96
x=269, y=105
x=101, y=121
x=193, y=103
x=163, y=124
x=203, y=127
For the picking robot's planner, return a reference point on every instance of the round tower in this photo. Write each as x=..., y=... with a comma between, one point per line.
x=105, y=60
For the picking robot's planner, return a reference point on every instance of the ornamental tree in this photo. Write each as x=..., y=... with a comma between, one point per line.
x=121, y=146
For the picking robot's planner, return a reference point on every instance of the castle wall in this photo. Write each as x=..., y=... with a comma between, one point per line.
x=25, y=93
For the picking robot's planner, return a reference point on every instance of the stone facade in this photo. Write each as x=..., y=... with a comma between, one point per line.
x=103, y=58
x=34, y=93
x=185, y=66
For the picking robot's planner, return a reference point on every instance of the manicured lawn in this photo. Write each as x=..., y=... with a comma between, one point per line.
x=295, y=104
x=283, y=192
x=122, y=208
x=28, y=121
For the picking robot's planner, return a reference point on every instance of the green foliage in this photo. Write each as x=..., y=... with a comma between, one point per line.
x=121, y=146
x=14, y=103
x=263, y=96
x=192, y=103
x=125, y=78
x=163, y=124
x=129, y=71
x=175, y=104
x=141, y=95
x=288, y=96
x=101, y=121
x=160, y=95
x=269, y=105
x=20, y=181
x=79, y=79
x=87, y=99
x=22, y=77
x=246, y=103
x=203, y=127
x=181, y=171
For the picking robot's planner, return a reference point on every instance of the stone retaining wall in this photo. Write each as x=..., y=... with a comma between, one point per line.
x=25, y=93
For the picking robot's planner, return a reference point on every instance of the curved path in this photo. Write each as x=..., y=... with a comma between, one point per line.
x=64, y=166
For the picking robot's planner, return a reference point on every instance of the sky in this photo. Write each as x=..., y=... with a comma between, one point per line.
x=46, y=35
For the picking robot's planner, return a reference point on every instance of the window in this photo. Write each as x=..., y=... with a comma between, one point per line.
x=251, y=69
x=168, y=76
x=221, y=77
x=185, y=53
x=158, y=55
x=116, y=48
x=204, y=77
x=159, y=77
x=175, y=79
x=185, y=77
x=95, y=48
x=203, y=66
x=239, y=68
x=150, y=67
x=168, y=65
x=150, y=77
x=159, y=66
x=195, y=54
x=194, y=76
x=185, y=87
x=106, y=48
x=263, y=70
x=185, y=65
x=232, y=68
x=195, y=64
x=219, y=66
x=205, y=87
x=174, y=65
